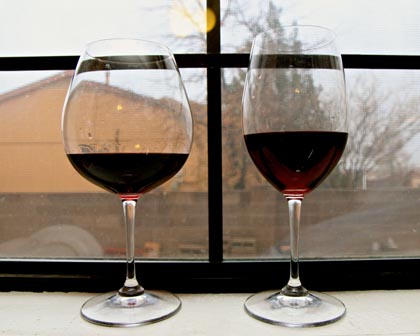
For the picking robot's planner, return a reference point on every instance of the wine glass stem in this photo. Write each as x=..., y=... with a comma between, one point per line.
x=294, y=286
x=131, y=286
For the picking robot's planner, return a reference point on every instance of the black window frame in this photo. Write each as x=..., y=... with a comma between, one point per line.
x=215, y=274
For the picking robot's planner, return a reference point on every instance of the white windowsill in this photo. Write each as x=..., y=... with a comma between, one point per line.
x=368, y=313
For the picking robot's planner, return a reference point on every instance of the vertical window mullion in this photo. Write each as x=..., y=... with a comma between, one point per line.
x=214, y=119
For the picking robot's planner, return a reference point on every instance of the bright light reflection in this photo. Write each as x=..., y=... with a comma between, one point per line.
x=187, y=19
x=211, y=19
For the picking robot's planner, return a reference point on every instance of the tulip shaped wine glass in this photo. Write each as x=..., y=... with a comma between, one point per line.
x=127, y=127
x=295, y=131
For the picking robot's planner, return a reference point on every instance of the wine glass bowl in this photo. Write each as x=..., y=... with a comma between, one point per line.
x=127, y=128
x=295, y=131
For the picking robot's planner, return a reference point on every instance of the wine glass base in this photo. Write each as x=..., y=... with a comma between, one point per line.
x=312, y=310
x=114, y=310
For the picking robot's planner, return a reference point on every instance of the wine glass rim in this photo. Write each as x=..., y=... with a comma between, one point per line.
x=166, y=53
x=328, y=32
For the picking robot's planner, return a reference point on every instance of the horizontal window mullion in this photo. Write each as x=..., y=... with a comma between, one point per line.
x=400, y=62
x=38, y=63
x=211, y=60
x=69, y=62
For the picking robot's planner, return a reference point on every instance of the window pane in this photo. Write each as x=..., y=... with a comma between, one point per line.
x=50, y=27
x=362, y=27
x=48, y=210
x=368, y=207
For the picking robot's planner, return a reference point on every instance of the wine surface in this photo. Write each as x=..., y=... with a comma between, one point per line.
x=127, y=173
x=296, y=162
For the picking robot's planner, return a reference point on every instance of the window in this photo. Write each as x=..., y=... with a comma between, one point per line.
x=216, y=226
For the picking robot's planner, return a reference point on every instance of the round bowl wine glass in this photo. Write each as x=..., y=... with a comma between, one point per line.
x=127, y=127
x=295, y=130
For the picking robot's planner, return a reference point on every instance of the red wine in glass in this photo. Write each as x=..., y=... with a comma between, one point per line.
x=295, y=163
x=127, y=173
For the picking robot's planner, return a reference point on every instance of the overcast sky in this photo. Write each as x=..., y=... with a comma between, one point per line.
x=45, y=27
